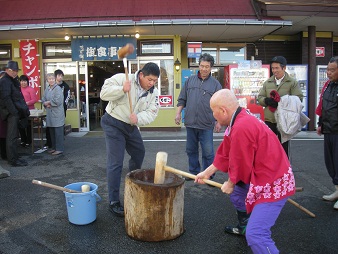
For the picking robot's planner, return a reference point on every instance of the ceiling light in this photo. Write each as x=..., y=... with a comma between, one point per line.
x=67, y=37
x=137, y=35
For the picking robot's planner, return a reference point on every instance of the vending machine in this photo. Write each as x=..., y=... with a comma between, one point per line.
x=300, y=73
x=245, y=79
x=321, y=78
x=186, y=73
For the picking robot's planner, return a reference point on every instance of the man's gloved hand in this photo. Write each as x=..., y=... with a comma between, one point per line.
x=271, y=102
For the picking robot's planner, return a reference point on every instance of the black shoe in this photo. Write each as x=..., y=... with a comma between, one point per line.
x=23, y=144
x=117, y=209
x=238, y=230
x=18, y=163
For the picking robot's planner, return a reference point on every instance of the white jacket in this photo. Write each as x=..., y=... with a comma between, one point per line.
x=289, y=117
x=145, y=107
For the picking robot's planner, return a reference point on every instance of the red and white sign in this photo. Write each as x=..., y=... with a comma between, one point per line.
x=166, y=100
x=320, y=51
x=194, y=49
x=30, y=63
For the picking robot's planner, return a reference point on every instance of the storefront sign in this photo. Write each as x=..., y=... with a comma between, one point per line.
x=166, y=100
x=320, y=51
x=30, y=63
x=194, y=49
x=100, y=48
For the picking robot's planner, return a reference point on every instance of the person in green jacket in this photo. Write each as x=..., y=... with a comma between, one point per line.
x=279, y=84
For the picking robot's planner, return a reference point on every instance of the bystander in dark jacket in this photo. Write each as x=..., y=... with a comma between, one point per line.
x=14, y=110
x=327, y=110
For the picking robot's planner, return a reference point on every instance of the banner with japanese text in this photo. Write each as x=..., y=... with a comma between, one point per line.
x=100, y=48
x=30, y=64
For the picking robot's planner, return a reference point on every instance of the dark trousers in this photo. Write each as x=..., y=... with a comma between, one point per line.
x=119, y=137
x=330, y=156
x=273, y=127
x=11, y=138
x=3, y=148
x=48, y=138
x=26, y=134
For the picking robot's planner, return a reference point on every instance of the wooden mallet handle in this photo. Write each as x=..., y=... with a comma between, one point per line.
x=127, y=78
x=122, y=53
x=301, y=208
x=161, y=167
x=56, y=187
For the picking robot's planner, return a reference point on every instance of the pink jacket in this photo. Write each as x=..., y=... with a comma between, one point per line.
x=29, y=95
x=252, y=153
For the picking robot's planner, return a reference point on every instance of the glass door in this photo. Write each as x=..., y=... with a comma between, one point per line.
x=82, y=94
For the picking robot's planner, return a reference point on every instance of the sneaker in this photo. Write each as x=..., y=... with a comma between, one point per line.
x=238, y=230
x=117, y=209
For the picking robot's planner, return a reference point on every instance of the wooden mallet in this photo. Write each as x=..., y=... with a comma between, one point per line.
x=122, y=53
x=161, y=167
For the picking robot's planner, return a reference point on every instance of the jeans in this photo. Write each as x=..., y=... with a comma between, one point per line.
x=119, y=137
x=205, y=138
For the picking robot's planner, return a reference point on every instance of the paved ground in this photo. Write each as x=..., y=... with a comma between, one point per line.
x=33, y=219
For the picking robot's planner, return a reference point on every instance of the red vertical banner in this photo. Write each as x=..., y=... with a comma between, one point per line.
x=30, y=63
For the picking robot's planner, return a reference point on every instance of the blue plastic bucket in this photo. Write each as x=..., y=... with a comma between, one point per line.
x=81, y=207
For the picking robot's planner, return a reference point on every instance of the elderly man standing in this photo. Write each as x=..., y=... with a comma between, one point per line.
x=12, y=108
x=199, y=121
x=327, y=110
x=260, y=176
x=279, y=84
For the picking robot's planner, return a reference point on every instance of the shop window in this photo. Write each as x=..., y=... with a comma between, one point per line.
x=223, y=54
x=155, y=47
x=165, y=83
x=70, y=70
x=5, y=52
x=53, y=50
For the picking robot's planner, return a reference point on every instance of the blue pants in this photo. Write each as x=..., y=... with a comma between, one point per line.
x=120, y=136
x=57, y=138
x=262, y=218
x=205, y=138
x=258, y=230
x=238, y=196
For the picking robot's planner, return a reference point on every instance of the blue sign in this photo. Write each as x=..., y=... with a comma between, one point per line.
x=100, y=48
x=194, y=49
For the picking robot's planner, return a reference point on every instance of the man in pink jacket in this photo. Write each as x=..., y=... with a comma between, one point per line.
x=260, y=175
